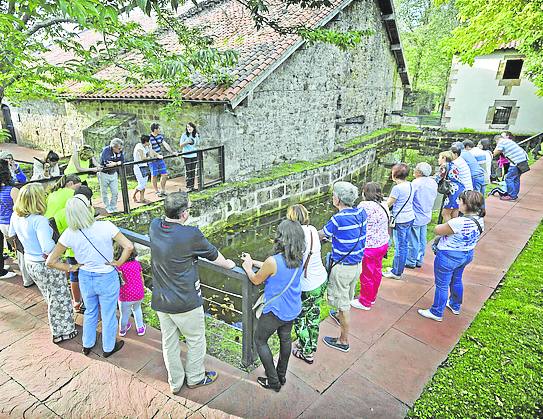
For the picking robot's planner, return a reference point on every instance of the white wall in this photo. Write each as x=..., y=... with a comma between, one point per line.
x=472, y=90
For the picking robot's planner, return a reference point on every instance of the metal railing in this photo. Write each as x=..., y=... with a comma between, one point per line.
x=249, y=295
x=532, y=144
x=201, y=181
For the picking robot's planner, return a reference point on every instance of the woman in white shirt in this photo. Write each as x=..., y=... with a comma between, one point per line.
x=142, y=151
x=46, y=169
x=36, y=236
x=377, y=238
x=92, y=244
x=313, y=283
x=459, y=237
x=188, y=143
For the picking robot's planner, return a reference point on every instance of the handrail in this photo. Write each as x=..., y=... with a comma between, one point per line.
x=530, y=138
x=248, y=290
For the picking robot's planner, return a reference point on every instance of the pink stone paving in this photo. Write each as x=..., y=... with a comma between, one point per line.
x=394, y=352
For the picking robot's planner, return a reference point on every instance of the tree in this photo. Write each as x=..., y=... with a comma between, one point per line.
x=487, y=24
x=426, y=28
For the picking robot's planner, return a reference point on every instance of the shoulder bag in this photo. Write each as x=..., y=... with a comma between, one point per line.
x=260, y=303
x=331, y=263
x=309, y=254
x=522, y=166
x=469, y=217
x=121, y=279
x=444, y=186
x=392, y=219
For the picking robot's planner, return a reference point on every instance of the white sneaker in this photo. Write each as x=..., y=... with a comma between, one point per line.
x=389, y=274
x=455, y=312
x=8, y=275
x=357, y=304
x=428, y=314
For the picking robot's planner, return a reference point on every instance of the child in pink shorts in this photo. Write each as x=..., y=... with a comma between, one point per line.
x=131, y=296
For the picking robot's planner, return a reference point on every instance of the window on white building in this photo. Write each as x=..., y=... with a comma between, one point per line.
x=512, y=70
x=502, y=115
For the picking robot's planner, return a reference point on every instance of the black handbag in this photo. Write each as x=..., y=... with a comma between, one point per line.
x=523, y=167
x=445, y=185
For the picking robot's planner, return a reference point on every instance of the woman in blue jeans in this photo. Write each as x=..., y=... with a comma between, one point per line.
x=401, y=203
x=92, y=244
x=282, y=299
x=454, y=252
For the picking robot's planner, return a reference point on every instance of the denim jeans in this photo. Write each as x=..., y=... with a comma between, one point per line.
x=111, y=182
x=127, y=307
x=449, y=266
x=512, y=181
x=99, y=291
x=400, y=235
x=479, y=185
x=267, y=324
x=416, y=245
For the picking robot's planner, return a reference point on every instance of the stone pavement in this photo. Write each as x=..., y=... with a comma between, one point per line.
x=394, y=351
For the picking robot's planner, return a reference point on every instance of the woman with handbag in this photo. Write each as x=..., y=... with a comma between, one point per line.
x=449, y=184
x=282, y=299
x=92, y=244
x=36, y=236
x=313, y=284
x=142, y=151
x=401, y=221
x=458, y=238
x=377, y=238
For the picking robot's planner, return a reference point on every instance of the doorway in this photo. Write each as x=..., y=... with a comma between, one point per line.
x=8, y=123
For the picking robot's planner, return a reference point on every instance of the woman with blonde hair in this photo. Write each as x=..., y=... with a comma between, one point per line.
x=92, y=244
x=313, y=283
x=36, y=236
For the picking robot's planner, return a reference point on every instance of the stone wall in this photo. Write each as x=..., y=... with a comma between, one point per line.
x=318, y=98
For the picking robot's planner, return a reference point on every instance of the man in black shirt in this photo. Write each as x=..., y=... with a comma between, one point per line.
x=177, y=298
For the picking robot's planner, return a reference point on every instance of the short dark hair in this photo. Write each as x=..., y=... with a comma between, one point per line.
x=456, y=150
x=474, y=202
x=145, y=139
x=154, y=126
x=290, y=242
x=84, y=190
x=400, y=171
x=373, y=192
x=486, y=144
x=52, y=156
x=468, y=143
x=5, y=174
x=175, y=203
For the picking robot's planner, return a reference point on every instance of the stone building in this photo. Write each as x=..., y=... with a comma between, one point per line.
x=290, y=99
x=495, y=93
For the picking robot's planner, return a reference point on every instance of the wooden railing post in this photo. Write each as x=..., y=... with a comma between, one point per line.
x=249, y=294
x=124, y=189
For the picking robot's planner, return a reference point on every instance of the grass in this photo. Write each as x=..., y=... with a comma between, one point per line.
x=496, y=370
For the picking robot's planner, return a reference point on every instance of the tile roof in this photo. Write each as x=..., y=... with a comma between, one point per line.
x=510, y=45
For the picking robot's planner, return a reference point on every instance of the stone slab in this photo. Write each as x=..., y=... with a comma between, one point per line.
x=13, y=290
x=399, y=364
x=15, y=400
x=15, y=324
x=104, y=390
x=39, y=365
x=353, y=396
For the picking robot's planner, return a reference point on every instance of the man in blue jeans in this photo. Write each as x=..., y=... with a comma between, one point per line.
x=477, y=172
x=515, y=154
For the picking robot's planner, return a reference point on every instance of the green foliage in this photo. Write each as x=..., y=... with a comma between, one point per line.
x=496, y=369
x=4, y=135
x=425, y=29
x=486, y=24
x=343, y=40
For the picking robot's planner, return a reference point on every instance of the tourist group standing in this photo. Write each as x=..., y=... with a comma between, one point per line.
x=59, y=241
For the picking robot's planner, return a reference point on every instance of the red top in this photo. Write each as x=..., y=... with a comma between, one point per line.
x=132, y=290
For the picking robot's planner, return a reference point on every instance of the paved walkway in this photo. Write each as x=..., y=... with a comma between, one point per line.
x=394, y=352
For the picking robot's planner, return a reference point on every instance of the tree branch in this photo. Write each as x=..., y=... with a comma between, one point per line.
x=47, y=23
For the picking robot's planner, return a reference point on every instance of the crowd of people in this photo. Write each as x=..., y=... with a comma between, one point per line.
x=87, y=265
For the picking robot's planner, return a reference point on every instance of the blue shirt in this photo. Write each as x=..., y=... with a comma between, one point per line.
x=512, y=151
x=423, y=200
x=156, y=142
x=476, y=170
x=35, y=234
x=6, y=204
x=404, y=193
x=108, y=156
x=18, y=176
x=347, y=228
x=189, y=147
x=289, y=304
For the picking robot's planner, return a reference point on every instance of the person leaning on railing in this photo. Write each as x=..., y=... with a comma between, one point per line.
x=112, y=157
x=177, y=297
x=281, y=275
x=158, y=167
x=506, y=145
x=80, y=162
x=36, y=235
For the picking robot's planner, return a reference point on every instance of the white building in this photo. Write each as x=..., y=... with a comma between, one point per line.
x=494, y=94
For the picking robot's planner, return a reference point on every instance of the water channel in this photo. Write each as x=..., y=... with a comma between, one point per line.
x=256, y=236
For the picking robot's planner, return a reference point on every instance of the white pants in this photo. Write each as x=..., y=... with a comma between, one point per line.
x=27, y=281
x=142, y=180
x=109, y=181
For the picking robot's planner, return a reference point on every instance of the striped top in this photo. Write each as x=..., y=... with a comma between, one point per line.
x=347, y=228
x=6, y=204
x=464, y=174
x=156, y=142
x=512, y=151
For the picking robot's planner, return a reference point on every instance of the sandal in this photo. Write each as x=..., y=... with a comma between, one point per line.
x=63, y=338
x=263, y=381
x=297, y=353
